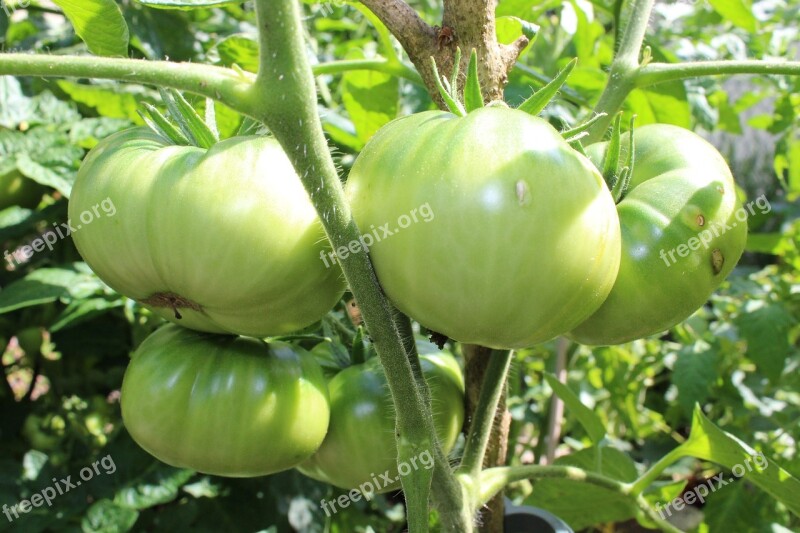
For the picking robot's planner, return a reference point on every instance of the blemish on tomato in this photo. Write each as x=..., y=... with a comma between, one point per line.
x=720, y=189
x=523, y=193
x=701, y=220
x=717, y=260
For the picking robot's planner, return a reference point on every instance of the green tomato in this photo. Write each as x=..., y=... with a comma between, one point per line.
x=680, y=235
x=501, y=234
x=16, y=189
x=224, y=405
x=220, y=240
x=360, y=446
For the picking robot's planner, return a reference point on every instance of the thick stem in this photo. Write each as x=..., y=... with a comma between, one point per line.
x=557, y=405
x=222, y=84
x=284, y=98
x=477, y=360
x=623, y=68
x=480, y=429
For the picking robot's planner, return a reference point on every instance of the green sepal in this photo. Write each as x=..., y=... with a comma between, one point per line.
x=473, y=98
x=453, y=105
x=611, y=168
x=190, y=123
x=539, y=100
x=162, y=126
x=572, y=134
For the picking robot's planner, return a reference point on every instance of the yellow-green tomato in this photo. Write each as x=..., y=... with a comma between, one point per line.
x=683, y=231
x=222, y=240
x=224, y=405
x=489, y=229
x=359, y=451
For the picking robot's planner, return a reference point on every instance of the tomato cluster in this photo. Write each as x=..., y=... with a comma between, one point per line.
x=225, y=242
x=527, y=244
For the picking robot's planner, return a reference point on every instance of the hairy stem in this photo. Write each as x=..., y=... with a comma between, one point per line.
x=623, y=68
x=284, y=98
x=655, y=73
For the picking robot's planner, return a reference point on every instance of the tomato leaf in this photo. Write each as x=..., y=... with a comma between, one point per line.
x=709, y=442
x=739, y=12
x=99, y=23
x=539, y=100
x=587, y=418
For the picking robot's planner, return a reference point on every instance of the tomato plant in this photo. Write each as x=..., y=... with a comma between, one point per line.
x=224, y=405
x=521, y=223
x=680, y=235
x=360, y=446
x=223, y=240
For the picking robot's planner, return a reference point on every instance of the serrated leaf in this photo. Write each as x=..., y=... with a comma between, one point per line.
x=694, y=371
x=766, y=331
x=104, y=516
x=100, y=24
x=44, y=175
x=156, y=488
x=587, y=418
x=708, y=442
x=108, y=103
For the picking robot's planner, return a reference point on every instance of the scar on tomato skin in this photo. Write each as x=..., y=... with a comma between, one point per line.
x=717, y=260
x=523, y=193
x=720, y=189
x=172, y=301
x=701, y=220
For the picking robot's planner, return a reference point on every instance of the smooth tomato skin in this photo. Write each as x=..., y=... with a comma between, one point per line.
x=360, y=444
x=524, y=243
x=224, y=405
x=681, y=187
x=230, y=229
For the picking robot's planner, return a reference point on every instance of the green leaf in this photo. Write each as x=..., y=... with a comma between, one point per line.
x=154, y=488
x=739, y=12
x=104, y=516
x=47, y=285
x=107, y=101
x=370, y=98
x=708, y=442
x=79, y=311
x=43, y=175
x=588, y=419
x=597, y=505
x=766, y=331
x=100, y=24
x=787, y=167
x=239, y=50
x=539, y=100
x=509, y=29
x=473, y=99
x=694, y=372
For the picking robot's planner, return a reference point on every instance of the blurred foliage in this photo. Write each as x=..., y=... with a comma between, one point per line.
x=67, y=337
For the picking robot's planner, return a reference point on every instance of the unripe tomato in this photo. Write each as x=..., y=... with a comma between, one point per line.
x=224, y=405
x=501, y=234
x=680, y=235
x=16, y=189
x=219, y=240
x=360, y=444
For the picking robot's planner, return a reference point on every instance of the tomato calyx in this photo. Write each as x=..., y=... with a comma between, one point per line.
x=172, y=301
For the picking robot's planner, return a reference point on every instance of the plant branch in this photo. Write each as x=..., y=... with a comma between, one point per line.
x=222, y=84
x=401, y=70
x=404, y=23
x=284, y=98
x=624, y=68
x=480, y=428
x=494, y=480
x=652, y=473
x=654, y=73
x=557, y=405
